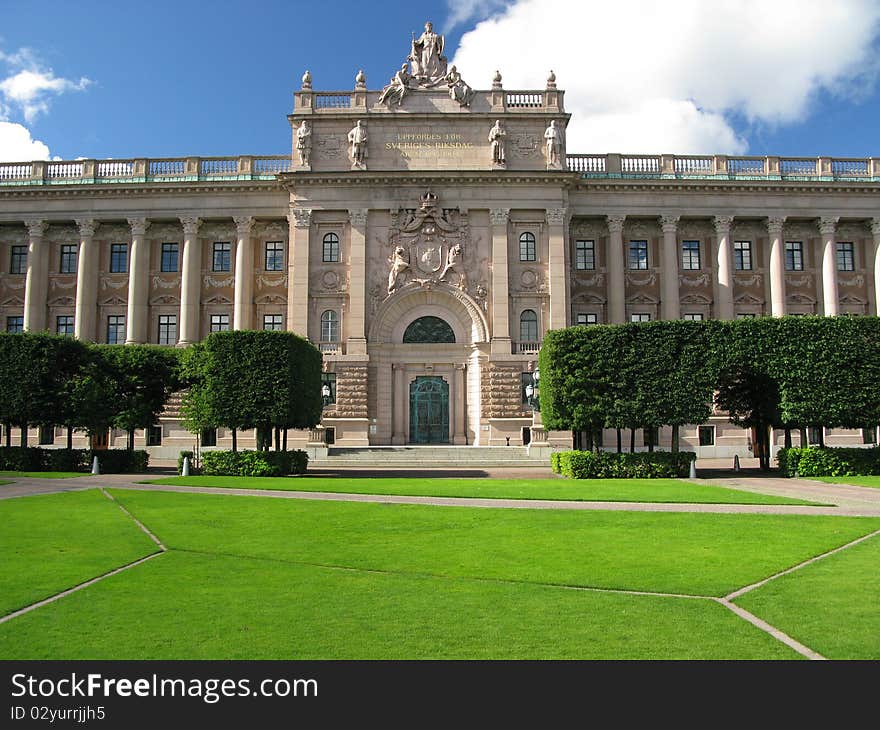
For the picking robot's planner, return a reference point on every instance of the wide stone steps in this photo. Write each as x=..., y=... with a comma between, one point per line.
x=427, y=457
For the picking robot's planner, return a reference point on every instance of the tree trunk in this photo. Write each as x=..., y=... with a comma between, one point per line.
x=632, y=440
x=24, y=437
x=803, y=433
x=234, y=440
x=821, y=437
x=8, y=435
x=787, y=437
x=131, y=440
x=675, y=428
x=69, y=438
x=277, y=439
x=619, y=442
x=284, y=440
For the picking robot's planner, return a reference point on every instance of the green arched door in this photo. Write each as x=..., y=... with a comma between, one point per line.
x=429, y=410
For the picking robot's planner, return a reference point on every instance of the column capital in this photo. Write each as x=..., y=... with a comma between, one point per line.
x=875, y=227
x=615, y=223
x=139, y=226
x=669, y=223
x=774, y=225
x=499, y=216
x=243, y=225
x=828, y=225
x=300, y=217
x=190, y=225
x=87, y=227
x=722, y=224
x=37, y=227
x=358, y=217
x=556, y=216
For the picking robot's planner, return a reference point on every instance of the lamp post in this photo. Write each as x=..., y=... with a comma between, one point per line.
x=532, y=392
x=326, y=394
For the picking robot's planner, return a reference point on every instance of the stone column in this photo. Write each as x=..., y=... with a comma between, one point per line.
x=298, y=271
x=724, y=260
x=399, y=401
x=500, y=289
x=357, y=340
x=37, y=278
x=243, y=307
x=558, y=270
x=616, y=278
x=875, y=230
x=190, y=282
x=670, y=306
x=137, y=316
x=777, y=266
x=459, y=436
x=830, y=298
x=84, y=323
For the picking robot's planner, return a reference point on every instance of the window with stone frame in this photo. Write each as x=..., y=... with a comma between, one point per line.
x=18, y=260
x=329, y=326
x=170, y=253
x=794, y=256
x=219, y=323
x=330, y=248
x=640, y=317
x=222, y=260
x=274, y=256
x=742, y=255
x=15, y=324
x=527, y=247
x=846, y=259
x=167, y=329
x=690, y=255
x=587, y=318
x=116, y=329
x=68, y=258
x=154, y=436
x=273, y=322
x=528, y=326
x=118, y=258
x=693, y=316
x=706, y=435
x=638, y=255
x=64, y=324
x=585, y=255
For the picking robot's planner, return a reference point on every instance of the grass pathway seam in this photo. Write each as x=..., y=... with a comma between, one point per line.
x=134, y=519
x=801, y=649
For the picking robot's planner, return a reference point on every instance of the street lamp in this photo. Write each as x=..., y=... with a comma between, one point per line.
x=325, y=394
x=532, y=393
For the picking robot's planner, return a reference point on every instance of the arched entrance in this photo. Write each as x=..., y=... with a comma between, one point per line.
x=429, y=410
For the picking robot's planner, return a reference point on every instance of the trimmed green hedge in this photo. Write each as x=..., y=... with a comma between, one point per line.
x=254, y=463
x=814, y=461
x=609, y=465
x=111, y=461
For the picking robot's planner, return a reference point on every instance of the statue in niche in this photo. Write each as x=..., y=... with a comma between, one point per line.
x=458, y=90
x=455, y=263
x=553, y=143
x=357, y=138
x=304, y=143
x=426, y=56
x=496, y=137
x=397, y=87
x=399, y=264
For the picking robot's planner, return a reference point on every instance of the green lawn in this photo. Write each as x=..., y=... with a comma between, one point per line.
x=585, y=490
x=831, y=605
x=856, y=481
x=54, y=541
x=44, y=474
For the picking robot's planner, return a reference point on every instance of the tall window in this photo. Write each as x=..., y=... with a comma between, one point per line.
x=690, y=255
x=169, y=257
x=273, y=322
x=274, y=256
x=219, y=322
x=68, y=258
x=794, y=256
x=693, y=316
x=585, y=318
x=167, y=329
x=640, y=317
x=118, y=258
x=527, y=251
x=115, y=329
x=18, y=261
x=222, y=256
x=209, y=437
x=638, y=254
x=706, y=435
x=742, y=255
x=585, y=254
x=64, y=324
x=329, y=326
x=528, y=326
x=15, y=324
x=331, y=248
x=846, y=257
x=154, y=436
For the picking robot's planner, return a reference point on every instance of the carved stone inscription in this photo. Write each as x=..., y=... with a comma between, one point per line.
x=415, y=144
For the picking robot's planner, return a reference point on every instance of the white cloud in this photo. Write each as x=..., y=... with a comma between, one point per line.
x=645, y=76
x=461, y=11
x=17, y=145
x=31, y=90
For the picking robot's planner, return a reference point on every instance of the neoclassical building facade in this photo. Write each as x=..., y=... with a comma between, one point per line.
x=426, y=236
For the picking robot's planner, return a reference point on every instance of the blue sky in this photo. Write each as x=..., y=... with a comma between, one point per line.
x=125, y=79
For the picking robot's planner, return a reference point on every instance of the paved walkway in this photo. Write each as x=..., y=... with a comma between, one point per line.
x=847, y=500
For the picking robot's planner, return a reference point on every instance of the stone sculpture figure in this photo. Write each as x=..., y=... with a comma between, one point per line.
x=357, y=138
x=399, y=264
x=458, y=90
x=426, y=55
x=304, y=142
x=496, y=137
x=455, y=263
x=553, y=139
x=397, y=87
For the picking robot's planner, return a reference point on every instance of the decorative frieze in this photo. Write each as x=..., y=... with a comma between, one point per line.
x=351, y=391
x=501, y=385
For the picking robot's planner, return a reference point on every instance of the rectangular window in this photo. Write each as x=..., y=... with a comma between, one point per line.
x=707, y=435
x=640, y=317
x=693, y=316
x=154, y=436
x=15, y=324
x=794, y=256
x=47, y=435
x=219, y=322
x=64, y=324
x=273, y=322
x=209, y=437
x=690, y=255
x=585, y=318
x=869, y=435
x=167, y=329
x=222, y=256
x=274, y=256
x=814, y=434
x=169, y=257
x=846, y=260
x=651, y=436
x=116, y=329
x=745, y=315
x=585, y=255
x=638, y=254
x=68, y=258
x=18, y=260
x=328, y=388
x=119, y=258
x=742, y=255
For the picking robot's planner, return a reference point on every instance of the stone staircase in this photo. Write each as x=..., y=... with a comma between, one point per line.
x=426, y=457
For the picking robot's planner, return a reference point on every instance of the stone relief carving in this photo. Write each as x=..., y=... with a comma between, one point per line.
x=701, y=280
x=496, y=139
x=11, y=284
x=459, y=90
x=160, y=283
x=56, y=284
x=168, y=232
x=357, y=151
x=595, y=279
x=692, y=229
x=272, y=230
x=800, y=231
x=302, y=217
x=164, y=299
x=857, y=280
x=268, y=281
x=798, y=280
x=219, y=231
x=329, y=147
x=218, y=283
x=753, y=280
x=525, y=145
x=646, y=280
x=638, y=229
x=61, y=234
x=114, y=301
x=582, y=229
x=556, y=216
x=331, y=282
x=108, y=283
x=62, y=302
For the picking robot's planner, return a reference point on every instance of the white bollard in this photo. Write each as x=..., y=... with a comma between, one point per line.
x=184, y=471
x=693, y=472
x=95, y=468
x=736, y=462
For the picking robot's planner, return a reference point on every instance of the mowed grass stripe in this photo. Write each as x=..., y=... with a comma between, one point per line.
x=55, y=541
x=697, y=554
x=675, y=491
x=192, y=606
x=867, y=481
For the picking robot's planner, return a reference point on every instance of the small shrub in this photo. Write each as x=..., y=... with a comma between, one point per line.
x=254, y=463
x=15, y=458
x=120, y=461
x=67, y=459
x=815, y=461
x=609, y=465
